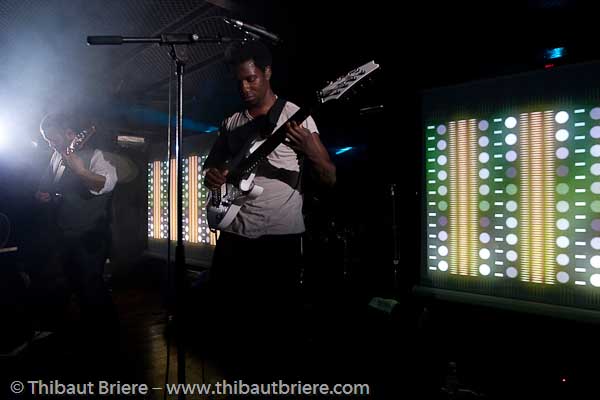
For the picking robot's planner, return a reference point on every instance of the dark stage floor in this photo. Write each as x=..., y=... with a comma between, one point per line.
x=339, y=342
x=340, y=339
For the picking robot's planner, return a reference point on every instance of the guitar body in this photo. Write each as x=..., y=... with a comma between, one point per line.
x=224, y=204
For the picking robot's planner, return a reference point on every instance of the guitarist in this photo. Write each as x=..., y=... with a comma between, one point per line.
x=255, y=261
x=77, y=188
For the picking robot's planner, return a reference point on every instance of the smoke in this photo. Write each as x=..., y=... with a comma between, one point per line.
x=45, y=64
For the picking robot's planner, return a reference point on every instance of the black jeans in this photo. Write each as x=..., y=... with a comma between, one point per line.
x=256, y=294
x=83, y=257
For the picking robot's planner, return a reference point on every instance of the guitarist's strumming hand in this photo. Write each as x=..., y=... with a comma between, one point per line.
x=304, y=141
x=214, y=178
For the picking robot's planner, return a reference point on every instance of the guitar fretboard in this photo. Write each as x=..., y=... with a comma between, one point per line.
x=250, y=163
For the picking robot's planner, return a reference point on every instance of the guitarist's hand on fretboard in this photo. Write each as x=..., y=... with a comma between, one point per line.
x=74, y=162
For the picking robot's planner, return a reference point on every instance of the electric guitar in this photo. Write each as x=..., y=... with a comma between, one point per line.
x=224, y=203
x=75, y=145
x=79, y=141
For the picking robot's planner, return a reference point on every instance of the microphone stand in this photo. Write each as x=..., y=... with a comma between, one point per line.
x=396, y=254
x=179, y=56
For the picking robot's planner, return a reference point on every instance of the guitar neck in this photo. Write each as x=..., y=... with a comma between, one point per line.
x=252, y=161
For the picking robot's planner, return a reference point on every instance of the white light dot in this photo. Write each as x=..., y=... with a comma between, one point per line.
x=595, y=169
x=511, y=206
x=443, y=266
x=441, y=145
x=561, y=117
x=511, y=272
x=511, y=255
x=510, y=139
x=562, y=259
x=484, y=157
x=562, y=224
x=512, y=222
x=595, y=150
x=442, y=160
x=484, y=269
x=441, y=129
x=442, y=190
x=484, y=237
x=484, y=190
x=595, y=132
x=562, y=153
x=483, y=125
x=442, y=175
x=484, y=254
x=595, y=187
x=443, y=251
x=562, y=242
x=510, y=122
x=595, y=261
x=562, y=206
x=595, y=113
x=511, y=239
x=511, y=156
x=595, y=280
x=484, y=173
x=443, y=236
x=484, y=141
x=562, y=135
x=562, y=277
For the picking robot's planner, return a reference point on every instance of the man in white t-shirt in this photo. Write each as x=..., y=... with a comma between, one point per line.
x=256, y=260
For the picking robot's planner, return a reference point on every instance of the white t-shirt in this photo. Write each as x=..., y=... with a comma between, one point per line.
x=98, y=165
x=278, y=210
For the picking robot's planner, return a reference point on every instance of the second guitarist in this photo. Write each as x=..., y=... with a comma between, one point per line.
x=77, y=190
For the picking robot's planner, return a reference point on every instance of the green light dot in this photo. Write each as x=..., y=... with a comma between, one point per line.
x=443, y=206
x=595, y=206
x=562, y=188
x=511, y=189
x=484, y=205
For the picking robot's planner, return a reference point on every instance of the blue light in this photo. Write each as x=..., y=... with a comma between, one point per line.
x=151, y=116
x=553, y=54
x=343, y=150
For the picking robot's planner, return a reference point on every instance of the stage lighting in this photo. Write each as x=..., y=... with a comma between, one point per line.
x=3, y=135
x=554, y=53
x=195, y=194
x=343, y=150
x=512, y=188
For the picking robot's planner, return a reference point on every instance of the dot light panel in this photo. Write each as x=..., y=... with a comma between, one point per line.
x=194, y=224
x=513, y=203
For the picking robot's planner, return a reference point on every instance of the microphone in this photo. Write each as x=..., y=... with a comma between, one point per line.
x=253, y=30
x=95, y=40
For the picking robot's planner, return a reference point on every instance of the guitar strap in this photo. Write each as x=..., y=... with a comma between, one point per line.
x=291, y=178
x=265, y=130
x=268, y=170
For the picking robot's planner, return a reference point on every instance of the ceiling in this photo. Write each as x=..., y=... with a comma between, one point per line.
x=46, y=65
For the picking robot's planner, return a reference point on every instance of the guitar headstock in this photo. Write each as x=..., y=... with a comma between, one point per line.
x=80, y=140
x=340, y=86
